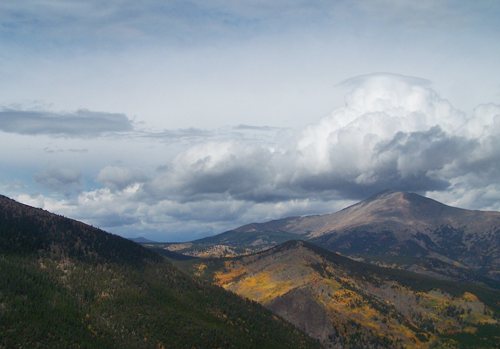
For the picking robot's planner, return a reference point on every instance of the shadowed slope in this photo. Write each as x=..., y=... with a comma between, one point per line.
x=27, y=230
x=65, y=284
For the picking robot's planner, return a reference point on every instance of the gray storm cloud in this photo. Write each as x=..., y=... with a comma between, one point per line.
x=63, y=180
x=394, y=132
x=82, y=123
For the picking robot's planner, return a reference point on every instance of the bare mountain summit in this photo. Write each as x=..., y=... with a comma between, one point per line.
x=404, y=213
x=397, y=229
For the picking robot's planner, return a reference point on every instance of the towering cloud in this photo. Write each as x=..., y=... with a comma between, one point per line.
x=393, y=132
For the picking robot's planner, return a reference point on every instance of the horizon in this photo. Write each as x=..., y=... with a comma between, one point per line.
x=181, y=120
x=386, y=191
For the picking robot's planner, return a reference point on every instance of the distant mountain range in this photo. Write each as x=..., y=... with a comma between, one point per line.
x=403, y=230
x=64, y=284
x=142, y=240
x=349, y=304
x=67, y=284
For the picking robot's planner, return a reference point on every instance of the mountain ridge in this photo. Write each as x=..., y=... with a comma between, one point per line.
x=350, y=304
x=300, y=222
x=30, y=230
x=402, y=229
x=65, y=284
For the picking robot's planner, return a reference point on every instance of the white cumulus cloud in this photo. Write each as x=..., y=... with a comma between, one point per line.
x=393, y=132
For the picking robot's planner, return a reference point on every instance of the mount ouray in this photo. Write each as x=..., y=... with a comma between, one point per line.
x=396, y=229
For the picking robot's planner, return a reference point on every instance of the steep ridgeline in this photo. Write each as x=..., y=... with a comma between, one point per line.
x=392, y=228
x=418, y=233
x=65, y=284
x=349, y=304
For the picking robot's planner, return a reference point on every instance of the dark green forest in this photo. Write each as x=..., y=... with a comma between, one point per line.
x=65, y=284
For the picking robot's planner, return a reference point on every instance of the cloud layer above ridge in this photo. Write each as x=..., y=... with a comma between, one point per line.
x=393, y=132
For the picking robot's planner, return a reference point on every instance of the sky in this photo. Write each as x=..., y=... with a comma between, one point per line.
x=175, y=120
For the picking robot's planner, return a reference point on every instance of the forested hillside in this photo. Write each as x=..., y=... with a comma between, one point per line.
x=65, y=284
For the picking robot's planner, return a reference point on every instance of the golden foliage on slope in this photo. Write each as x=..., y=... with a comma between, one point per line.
x=261, y=286
x=393, y=314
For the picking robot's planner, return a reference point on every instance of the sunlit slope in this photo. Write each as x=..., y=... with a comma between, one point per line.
x=350, y=304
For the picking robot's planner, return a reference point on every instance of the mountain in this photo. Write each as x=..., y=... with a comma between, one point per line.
x=65, y=284
x=142, y=240
x=396, y=229
x=349, y=304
